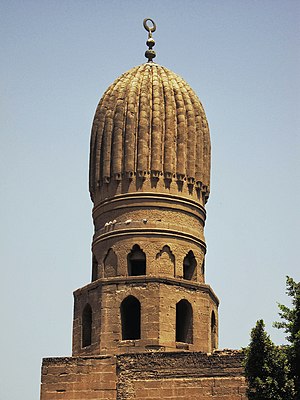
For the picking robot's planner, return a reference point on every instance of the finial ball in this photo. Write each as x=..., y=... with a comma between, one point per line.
x=150, y=43
x=150, y=54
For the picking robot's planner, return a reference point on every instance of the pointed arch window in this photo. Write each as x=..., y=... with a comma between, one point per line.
x=189, y=266
x=131, y=318
x=184, y=322
x=136, y=261
x=87, y=322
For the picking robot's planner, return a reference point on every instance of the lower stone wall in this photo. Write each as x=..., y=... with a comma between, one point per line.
x=79, y=378
x=151, y=376
x=185, y=376
x=188, y=389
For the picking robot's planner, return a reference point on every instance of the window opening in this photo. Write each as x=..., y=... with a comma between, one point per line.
x=136, y=262
x=131, y=318
x=213, y=333
x=189, y=266
x=184, y=322
x=87, y=326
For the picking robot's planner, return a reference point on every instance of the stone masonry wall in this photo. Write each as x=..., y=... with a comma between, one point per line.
x=184, y=376
x=79, y=378
x=158, y=298
x=150, y=376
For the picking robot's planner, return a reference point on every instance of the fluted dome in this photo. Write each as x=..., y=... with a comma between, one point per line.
x=150, y=123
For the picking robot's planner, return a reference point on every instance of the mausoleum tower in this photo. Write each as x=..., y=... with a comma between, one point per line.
x=149, y=182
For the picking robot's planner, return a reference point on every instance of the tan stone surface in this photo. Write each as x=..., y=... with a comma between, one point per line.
x=79, y=378
x=158, y=298
x=185, y=376
x=149, y=125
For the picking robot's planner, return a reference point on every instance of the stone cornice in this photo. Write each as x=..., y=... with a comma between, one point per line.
x=128, y=280
x=138, y=199
x=158, y=232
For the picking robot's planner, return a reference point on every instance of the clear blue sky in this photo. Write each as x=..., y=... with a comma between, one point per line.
x=57, y=58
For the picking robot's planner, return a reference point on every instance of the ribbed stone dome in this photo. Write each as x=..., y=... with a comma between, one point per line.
x=150, y=123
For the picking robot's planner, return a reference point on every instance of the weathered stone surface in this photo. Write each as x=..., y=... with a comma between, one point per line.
x=149, y=125
x=154, y=375
x=79, y=378
x=158, y=298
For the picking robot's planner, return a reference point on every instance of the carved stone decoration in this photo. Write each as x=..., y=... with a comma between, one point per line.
x=199, y=255
x=166, y=262
x=110, y=264
x=149, y=119
x=179, y=252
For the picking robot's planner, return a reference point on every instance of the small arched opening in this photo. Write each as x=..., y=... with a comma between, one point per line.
x=213, y=331
x=131, y=318
x=136, y=261
x=87, y=321
x=184, y=322
x=189, y=266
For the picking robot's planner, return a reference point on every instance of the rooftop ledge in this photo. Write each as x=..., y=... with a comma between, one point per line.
x=150, y=279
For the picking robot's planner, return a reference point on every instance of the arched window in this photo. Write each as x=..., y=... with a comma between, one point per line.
x=87, y=326
x=136, y=261
x=184, y=322
x=131, y=318
x=213, y=331
x=189, y=266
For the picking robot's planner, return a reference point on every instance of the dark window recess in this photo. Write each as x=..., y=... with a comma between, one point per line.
x=189, y=266
x=213, y=333
x=131, y=318
x=136, y=262
x=94, y=269
x=87, y=326
x=184, y=322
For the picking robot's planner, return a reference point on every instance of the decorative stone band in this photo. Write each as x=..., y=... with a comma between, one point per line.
x=139, y=199
x=134, y=280
x=150, y=215
x=147, y=233
x=154, y=175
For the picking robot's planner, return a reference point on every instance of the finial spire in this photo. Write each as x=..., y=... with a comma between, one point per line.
x=150, y=53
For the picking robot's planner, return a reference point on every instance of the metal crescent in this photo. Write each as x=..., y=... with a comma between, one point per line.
x=147, y=27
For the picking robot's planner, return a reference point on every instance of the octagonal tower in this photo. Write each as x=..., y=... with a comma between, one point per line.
x=149, y=182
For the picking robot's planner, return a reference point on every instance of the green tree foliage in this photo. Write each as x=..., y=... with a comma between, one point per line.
x=291, y=325
x=266, y=368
